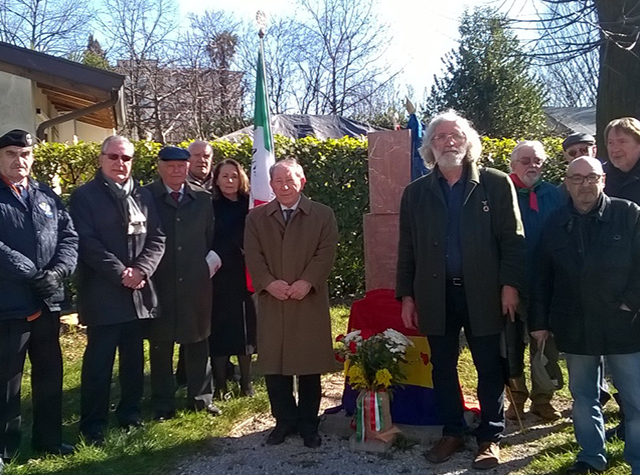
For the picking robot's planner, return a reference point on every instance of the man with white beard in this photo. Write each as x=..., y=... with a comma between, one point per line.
x=461, y=265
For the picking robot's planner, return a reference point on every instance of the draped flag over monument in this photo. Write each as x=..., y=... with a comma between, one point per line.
x=263, y=150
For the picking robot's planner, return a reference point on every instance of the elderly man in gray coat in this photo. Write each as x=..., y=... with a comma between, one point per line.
x=184, y=286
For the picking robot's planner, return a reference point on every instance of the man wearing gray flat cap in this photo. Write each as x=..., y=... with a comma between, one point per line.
x=183, y=280
x=579, y=145
x=38, y=249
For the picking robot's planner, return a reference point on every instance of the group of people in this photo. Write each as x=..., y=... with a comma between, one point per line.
x=164, y=262
x=177, y=261
x=483, y=250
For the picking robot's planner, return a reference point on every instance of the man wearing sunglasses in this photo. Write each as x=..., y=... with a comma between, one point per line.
x=587, y=295
x=121, y=245
x=38, y=248
x=574, y=146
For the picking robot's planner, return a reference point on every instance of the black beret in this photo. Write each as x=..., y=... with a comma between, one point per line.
x=17, y=138
x=578, y=138
x=173, y=153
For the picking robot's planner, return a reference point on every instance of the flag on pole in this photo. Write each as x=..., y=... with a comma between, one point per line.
x=263, y=150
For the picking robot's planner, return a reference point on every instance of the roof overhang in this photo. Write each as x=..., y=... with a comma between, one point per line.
x=70, y=86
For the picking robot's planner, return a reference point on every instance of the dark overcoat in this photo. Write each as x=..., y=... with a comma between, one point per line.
x=294, y=336
x=493, y=249
x=34, y=236
x=106, y=251
x=182, y=278
x=584, y=278
x=623, y=185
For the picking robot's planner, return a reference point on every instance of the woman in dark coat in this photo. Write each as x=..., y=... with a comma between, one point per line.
x=233, y=324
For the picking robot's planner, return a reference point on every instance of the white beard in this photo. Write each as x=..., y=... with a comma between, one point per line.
x=452, y=159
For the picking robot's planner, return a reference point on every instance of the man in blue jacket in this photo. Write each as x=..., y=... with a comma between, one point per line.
x=536, y=199
x=38, y=249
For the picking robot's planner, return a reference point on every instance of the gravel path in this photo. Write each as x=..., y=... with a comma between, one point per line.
x=245, y=453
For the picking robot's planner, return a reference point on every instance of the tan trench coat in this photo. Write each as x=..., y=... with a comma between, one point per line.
x=294, y=336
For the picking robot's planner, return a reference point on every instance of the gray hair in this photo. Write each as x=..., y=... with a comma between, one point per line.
x=195, y=143
x=288, y=163
x=115, y=139
x=534, y=144
x=474, y=146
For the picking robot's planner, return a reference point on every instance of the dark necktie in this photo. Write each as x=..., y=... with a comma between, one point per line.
x=22, y=193
x=176, y=196
x=287, y=215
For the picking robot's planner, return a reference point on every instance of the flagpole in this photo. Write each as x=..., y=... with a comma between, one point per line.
x=263, y=146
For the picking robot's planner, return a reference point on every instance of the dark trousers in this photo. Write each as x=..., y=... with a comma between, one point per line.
x=197, y=372
x=485, y=351
x=97, y=367
x=40, y=339
x=304, y=415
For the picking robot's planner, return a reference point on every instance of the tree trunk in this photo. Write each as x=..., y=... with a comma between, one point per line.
x=619, y=84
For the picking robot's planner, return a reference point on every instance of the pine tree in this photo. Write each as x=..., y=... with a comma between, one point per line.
x=488, y=80
x=94, y=55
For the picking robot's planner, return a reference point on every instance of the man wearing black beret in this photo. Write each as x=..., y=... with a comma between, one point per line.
x=577, y=145
x=38, y=249
x=183, y=280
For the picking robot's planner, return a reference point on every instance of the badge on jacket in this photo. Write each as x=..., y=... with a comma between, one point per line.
x=46, y=209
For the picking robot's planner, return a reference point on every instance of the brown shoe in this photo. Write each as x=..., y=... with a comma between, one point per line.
x=511, y=411
x=444, y=449
x=546, y=411
x=487, y=456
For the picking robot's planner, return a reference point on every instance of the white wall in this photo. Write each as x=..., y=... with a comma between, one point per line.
x=16, y=104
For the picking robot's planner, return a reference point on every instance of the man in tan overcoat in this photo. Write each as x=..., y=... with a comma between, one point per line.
x=290, y=246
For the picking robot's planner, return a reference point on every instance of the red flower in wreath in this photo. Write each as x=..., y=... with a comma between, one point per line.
x=340, y=337
x=340, y=358
x=353, y=347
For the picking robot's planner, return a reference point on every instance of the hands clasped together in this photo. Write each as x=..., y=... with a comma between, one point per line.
x=283, y=291
x=133, y=278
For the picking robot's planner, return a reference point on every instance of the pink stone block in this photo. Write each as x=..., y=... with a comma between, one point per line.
x=389, y=169
x=380, y=250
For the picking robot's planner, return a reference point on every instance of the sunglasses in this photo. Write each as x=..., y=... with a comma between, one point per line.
x=115, y=156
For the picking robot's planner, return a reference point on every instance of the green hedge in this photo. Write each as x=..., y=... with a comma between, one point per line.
x=336, y=176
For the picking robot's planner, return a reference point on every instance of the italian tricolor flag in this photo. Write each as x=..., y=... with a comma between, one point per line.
x=263, y=155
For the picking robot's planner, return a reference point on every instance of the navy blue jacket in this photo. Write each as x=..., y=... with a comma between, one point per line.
x=549, y=199
x=40, y=236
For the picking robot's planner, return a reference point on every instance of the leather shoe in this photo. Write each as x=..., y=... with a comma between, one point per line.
x=162, y=416
x=312, y=440
x=487, y=456
x=279, y=434
x=62, y=449
x=213, y=410
x=511, y=411
x=546, y=411
x=444, y=449
x=580, y=467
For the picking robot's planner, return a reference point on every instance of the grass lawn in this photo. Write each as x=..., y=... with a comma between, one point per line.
x=155, y=448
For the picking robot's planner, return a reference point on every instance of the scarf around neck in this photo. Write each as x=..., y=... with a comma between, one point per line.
x=137, y=220
x=527, y=190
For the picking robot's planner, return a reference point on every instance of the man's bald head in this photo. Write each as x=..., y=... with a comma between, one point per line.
x=585, y=164
x=585, y=183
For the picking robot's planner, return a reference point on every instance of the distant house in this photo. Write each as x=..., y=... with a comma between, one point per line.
x=563, y=121
x=57, y=99
x=170, y=104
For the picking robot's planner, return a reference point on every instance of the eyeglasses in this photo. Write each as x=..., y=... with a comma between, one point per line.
x=592, y=179
x=116, y=156
x=579, y=152
x=528, y=160
x=444, y=138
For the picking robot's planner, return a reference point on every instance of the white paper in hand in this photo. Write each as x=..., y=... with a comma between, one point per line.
x=214, y=262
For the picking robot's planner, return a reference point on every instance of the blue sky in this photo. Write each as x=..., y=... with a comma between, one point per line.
x=423, y=30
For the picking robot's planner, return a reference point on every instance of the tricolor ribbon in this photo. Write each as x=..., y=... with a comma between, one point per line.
x=374, y=416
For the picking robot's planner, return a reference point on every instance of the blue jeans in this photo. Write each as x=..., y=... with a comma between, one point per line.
x=588, y=423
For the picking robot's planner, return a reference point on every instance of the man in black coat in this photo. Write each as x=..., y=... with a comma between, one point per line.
x=121, y=245
x=588, y=295
x=461, y=257
x=38, y=249
x=183, y=281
